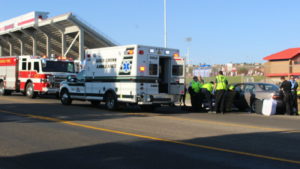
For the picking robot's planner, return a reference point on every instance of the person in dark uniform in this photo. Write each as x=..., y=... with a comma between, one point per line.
x=286, y=88
x=294, y=95
x=221, y=88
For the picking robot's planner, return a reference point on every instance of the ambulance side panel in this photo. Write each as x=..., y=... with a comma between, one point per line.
x=111, y=70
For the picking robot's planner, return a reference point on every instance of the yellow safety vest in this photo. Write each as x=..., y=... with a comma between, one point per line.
x=231, y=87
x=208, y=86
x=221, y=82
x=195, y=86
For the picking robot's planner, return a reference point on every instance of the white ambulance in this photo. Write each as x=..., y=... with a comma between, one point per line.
x=134, y=74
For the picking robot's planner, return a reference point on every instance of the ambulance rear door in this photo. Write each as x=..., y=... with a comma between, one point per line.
x=177, y=76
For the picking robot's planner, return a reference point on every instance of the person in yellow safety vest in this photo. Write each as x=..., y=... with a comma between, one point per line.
x=231, y=87
x=194, y=90
x=207, y=90
x=220, y=87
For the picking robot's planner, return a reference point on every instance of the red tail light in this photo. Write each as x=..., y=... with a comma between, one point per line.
x=141, y=52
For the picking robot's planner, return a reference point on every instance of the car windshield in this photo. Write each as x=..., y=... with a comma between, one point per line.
x=269, y=87
x=58, y=66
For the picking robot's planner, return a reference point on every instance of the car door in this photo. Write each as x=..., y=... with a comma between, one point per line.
x=77, y=86
x=240, y=101
x=249, y=93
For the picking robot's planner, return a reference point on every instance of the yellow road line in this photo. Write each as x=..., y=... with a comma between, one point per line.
x=152, y=138
x=24, y=100
x=215, y=122
x=185, y=119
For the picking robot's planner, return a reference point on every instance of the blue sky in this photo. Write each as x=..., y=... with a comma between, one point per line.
x=222, y=31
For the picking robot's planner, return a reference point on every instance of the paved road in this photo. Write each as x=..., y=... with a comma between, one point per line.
x=43, y=134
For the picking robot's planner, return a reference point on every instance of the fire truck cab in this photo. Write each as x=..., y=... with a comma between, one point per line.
x=33, y=75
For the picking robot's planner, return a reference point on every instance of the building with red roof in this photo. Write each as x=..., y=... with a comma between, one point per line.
x=284, y=63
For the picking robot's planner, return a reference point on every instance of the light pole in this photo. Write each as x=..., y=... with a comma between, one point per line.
x=165, y=23
x=188, y=39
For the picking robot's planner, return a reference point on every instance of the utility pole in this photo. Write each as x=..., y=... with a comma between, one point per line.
x=165, y=22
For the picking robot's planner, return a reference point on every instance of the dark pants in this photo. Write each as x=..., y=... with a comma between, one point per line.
x=208, y=97
x=182, y=99
x=294, y=103
x=287, y=99
x=220, y=100
x=196, y=101
x=229, y=100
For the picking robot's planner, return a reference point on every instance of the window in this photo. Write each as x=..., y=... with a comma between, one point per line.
x=81, y=76
x=297, y=60
x=270, y=87
x=36, y=66
x=58, y=66
x=177, y=70
x=250, y=88
x=153, y=69
x=29, y=65
x=238, y=88
x=24, y=65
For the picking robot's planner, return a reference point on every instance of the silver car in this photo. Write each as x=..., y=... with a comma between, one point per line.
x=248, y=95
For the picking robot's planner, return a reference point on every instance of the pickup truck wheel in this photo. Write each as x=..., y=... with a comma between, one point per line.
x=65, y=98
x=30, y=91
x=111, y=101
x=2, y=90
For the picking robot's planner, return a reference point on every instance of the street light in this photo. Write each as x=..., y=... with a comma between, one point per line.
x=165, y=22
x=188, y=39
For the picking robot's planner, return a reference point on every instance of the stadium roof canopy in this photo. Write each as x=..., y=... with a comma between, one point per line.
x=36, y=34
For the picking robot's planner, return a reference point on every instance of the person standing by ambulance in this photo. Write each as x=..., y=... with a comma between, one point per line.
x=220, y=88
x=286, y=87
x=194, y=90
x=294, y=95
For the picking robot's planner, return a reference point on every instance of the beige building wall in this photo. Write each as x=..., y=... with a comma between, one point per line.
x=296, y=64
x=276, y=67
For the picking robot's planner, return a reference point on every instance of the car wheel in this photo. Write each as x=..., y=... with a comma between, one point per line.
x=65, y=98
x=253, y=106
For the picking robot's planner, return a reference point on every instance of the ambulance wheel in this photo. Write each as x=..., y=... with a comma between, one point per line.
x=65, y=97
x=111, y=101
x=30, y=91
x=95, y=103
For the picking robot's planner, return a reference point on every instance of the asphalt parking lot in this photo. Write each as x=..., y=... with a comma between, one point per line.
x=42, y=133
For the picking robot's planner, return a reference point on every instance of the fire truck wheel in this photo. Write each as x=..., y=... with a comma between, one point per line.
x=2, y=90
x=65, y=97
x=30, y=91
x=110, y=101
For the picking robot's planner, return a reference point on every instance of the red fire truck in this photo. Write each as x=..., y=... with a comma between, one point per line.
x=33, y=75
